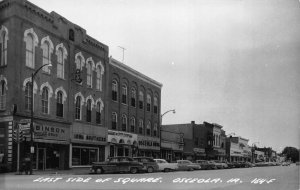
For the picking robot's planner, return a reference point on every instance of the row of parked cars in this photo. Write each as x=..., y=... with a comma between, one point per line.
x=147, y=164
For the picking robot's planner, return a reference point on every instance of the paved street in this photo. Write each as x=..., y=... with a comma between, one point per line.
x=276, y=177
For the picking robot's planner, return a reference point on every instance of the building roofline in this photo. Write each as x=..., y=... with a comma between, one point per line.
x=131, y=71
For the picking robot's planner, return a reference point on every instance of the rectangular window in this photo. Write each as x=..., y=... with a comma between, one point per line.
x=124, y=99
x=133, y=102
x=141, y=104
x=84, y=156
x=59, y=109
x=45, y=106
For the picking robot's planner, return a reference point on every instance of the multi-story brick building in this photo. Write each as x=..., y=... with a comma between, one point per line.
x=133, y=112
x=68, y=98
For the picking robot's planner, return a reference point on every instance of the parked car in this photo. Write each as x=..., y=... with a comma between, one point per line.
x=149, y=164
x=249, y=164
x=236, y=164
x=218, y=165
x=165, y=166
x=261, y=164
x=230, y=165
x=117, y=164
x=285, y=163
x=222, y=164
x=206, y=165
x=186, y=165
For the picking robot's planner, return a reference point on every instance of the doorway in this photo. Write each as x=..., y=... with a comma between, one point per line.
x=41, y=158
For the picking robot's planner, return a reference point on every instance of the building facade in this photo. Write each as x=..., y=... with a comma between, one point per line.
x=133, y=107
x=69, y=71
x=237, y=149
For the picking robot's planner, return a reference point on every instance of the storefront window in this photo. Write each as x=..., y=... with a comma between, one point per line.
x=84, y=156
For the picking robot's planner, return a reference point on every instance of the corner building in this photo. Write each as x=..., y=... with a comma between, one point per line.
x=133, y=107
x=68, y=98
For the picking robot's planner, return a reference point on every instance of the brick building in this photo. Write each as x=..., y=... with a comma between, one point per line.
x=133, y=112
x=69, y=115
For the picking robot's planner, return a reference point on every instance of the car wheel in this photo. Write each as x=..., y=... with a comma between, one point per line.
x=98, y=171
x=133, y=170
x=167, y=170
x=150, y=169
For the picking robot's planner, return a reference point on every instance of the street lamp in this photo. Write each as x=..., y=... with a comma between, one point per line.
x=31, y=120
x=161, y=116
x=253, y=151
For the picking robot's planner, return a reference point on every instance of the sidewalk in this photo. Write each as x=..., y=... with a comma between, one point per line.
x=72, y=171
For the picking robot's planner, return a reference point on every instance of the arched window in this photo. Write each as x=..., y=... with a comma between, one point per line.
x=155, y=134
x=3, y=45
x=89, y=110
x=155, y=105
x=114, y=120
x=148, y=102
x=141, y=126
x=133, y=97
x=114, y=90
x=141, y=100
x=28, y=96
x=124, y=123
x=59, y=104
x=98, y=113
x=47, y=47
x=149, y=128
x=29, y=51
x=45, y=100
x=3, y=95
x=99, y=78
x=60, y=63
x=132, y=124
x=89, y=74
x=124, y=94
x=78, y=108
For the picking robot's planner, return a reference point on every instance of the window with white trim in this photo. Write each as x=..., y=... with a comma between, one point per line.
x=98, y=113
x=99, y=78
x=133, y=97
x=60, y=63
x=124, y=94
x=141, y=126
x=59, y=104
x=124, y=122
x=89, y=74
x=114, y=90
x=28, y=95
x=45, y=100
x=155, y=105
x=148, y=102
x=29, y=51
x=78, y=108
x=89, y=110
x=3, y=45
x=155, y=134
x=141, y=100
x=132, y=124
x=149, y=128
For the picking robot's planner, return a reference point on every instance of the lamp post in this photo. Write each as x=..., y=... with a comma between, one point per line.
x=161, y=116
x=253, y=150
x=31, y=120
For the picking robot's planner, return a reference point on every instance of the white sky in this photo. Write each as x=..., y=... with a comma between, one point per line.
x=231, y=62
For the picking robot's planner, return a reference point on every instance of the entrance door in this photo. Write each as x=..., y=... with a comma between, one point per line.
x=41, y=158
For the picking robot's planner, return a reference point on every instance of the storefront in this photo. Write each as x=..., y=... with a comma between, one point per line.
x=122, y=143
x=199, y=153
x=6, y=144
x=148, y=146
x=87, y=145
x=51, y=144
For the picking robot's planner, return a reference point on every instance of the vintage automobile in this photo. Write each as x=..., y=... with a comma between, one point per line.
x=117, y=164
x=206, y=165
x=186, y=165
x=149, y=164
x=221, y=164
x=166, y=166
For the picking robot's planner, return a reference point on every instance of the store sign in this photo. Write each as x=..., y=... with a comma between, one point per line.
x=90, y=138
x=199, y=150
x=121, y=137
x=51, y=132
x=145, y=142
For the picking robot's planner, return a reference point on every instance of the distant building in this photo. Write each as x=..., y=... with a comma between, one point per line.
x=237, y=149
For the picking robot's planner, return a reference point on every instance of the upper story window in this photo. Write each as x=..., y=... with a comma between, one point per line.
x=133, y=97
x=47, y=47
x=98, y=113
x=155, y=134
x=114, y=90
x=45, y=100
x=61, y=54
x=114, y=120
x=3, y=45
x=141, y=126
x=155, y=105
x=31, y=41
x=124, y=123
x=28, y=96
x=100, y=72
x=89, y=74
x=3, y=87
x=132, y=124
x=149, y=128
x=141, y=100
x=89, y=110
x=148, y=102
x=59, y=104
x=124, y=94
x=78, y=108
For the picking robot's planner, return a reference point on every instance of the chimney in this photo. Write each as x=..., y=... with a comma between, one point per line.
x=193, y=122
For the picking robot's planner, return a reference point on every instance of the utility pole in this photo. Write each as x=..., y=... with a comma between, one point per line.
x=123, y=49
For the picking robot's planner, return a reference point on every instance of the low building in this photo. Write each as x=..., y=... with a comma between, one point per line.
x=237, y=149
